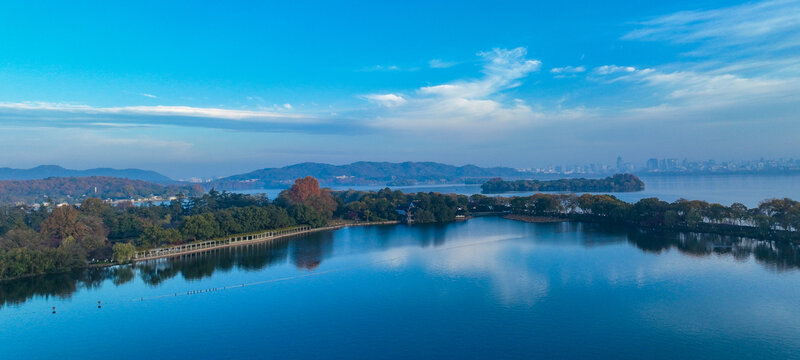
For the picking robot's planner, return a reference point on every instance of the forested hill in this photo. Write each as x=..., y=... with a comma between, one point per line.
x=48, y=171
x=616, y=183
x=75, y=189
x=366, y=173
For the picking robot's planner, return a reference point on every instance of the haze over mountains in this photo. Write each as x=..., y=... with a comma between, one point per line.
x=58, y=183
x=48, y=171
x=358, y=173
x=366, y=173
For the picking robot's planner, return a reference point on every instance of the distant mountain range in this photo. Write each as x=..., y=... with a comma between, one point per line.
x=366, y=173
x=48, y=171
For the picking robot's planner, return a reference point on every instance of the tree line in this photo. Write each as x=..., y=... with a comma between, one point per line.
x=55, y=239
x=48, y=240
x=616, y=183
x=772, y=219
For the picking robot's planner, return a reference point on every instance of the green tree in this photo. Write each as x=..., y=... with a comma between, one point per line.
x=304, y=214
x=155, y=235
x=199, y=227
x=123, y=252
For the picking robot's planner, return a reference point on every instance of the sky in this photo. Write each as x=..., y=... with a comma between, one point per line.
x=205, y=89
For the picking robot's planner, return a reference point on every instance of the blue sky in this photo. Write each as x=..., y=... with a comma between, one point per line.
x=212, y=88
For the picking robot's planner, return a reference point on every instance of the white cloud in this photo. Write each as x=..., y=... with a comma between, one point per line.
x=613, y=69
x=473, y=106
x=732, y=25
x=159, y=110
x=756, y=30
x=502, y=71
x=149, y=95
x=388, y=100
x=745, y=64
x=568, y=70
x=690, y=91
x=440, y=64
x=382, y=68
x=287, y=106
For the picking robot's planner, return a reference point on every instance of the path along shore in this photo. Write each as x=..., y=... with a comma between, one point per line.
x=241, y=239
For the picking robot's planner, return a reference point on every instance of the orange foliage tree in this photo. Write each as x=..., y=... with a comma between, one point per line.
x=306, y=191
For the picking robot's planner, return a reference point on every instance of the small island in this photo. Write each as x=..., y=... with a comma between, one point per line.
x=616, y=183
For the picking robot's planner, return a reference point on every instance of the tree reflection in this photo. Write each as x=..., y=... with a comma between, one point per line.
x=777, y=256
x=60, y=286
x=121, y=275
x=308, y=251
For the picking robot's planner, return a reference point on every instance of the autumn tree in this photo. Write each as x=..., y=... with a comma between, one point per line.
x=62, y=223
x=306, y=191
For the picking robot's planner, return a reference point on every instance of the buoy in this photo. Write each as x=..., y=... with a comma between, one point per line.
x=54, y=309
x=98, y=305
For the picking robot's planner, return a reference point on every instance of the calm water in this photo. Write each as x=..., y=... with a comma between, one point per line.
x=485, y=288
x=723, y=189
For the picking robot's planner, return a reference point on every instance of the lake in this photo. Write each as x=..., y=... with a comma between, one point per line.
x=724, y=189
x=484, y=288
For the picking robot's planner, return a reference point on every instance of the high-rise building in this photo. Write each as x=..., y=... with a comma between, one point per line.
x=652, y=164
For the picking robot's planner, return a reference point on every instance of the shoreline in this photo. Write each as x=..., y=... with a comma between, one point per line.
x=243, y=239
x=253, y=238
x=534, y=219
x=221, y=246
x=169, y=254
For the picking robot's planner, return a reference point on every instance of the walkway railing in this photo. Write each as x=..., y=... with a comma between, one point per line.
x=228, y=241
x=241, y=239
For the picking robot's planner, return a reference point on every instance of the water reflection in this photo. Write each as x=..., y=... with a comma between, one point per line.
x=777, y=256
x=308, y=251
x=59, y=285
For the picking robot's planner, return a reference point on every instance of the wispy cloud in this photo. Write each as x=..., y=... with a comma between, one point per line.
x=441, y=64
x=502, y=70
x=469, y=105
x=159, y=110
x=750, y=29
x=149, y=95
x=387, y=68
x=568, y=70
x=690, y=91
x=79, y=115
x=613, y=69
x=389, y=100
x=744, y=58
